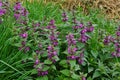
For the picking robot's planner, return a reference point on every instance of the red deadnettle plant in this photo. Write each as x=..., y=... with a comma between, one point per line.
x=63, y=50
x=42, y=45
x=4, y=10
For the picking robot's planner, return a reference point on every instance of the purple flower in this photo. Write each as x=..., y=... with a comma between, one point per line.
x=52, y=22
x=64, y=14
x=118, y=55
x=42, y=73
x=17, y=16
x=36, y=62
x=37, y=51
x=50, y=48
x=65, y=19
x=83, y=31
x=26, y=49
x=107, y=40
x=51, y=27
x=17, y=6
x=118, y=50
x=48, y=27
x=89, y=24
x=83, y=78
x=90, y=29
x=2, y=12
x=81, y=25
x=19, y=11
x=24, y=12
x=119, y=28
x=76, y=27
x=40, y=45
x=80, y=58
x=72, y=57
x=20, y=48
x=118, y=33
x=1, y=4
x=55, y=42
x=23, y=43
x=46, y=72
x=117, y=44
x=71, y=40
x=52, y=37
x=52, y=53
x=83, y=38
x=72, y=50
x=37, y=24
x=38, y=69
x=24, y=35
x=81, y=55
x=80, y=61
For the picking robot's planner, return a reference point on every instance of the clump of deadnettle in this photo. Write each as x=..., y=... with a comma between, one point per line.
x=117, y=44
x=76, y=24
x=83, y=37
x=24, y=37
x=107, y=40
x=53, y=34
x=64, y=17
x=40, y=66
x=3, y=9
x=36, y=26
x=52, y=53
x=24, y=47
x=79, y=26
x=72, y=49
x=20, y=12
x=115, y=41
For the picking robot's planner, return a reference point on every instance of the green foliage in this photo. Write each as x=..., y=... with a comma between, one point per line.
x=98, y=62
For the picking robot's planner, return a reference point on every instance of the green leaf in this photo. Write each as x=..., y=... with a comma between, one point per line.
x=96, y=74
x=90, y=69
x=42, y=78
x=89, y=78
x=80, y=45
x=65, y=72
x=17, y=44
x=46, y=68
x=62, y=62
x=56, y=58
x=47, y=62
x=53, y=67
x=34, y=71
x=75, y=76
x=6, y=72
x=77, y=67
x=44, y=55
x=72, y=63
x=94, y=53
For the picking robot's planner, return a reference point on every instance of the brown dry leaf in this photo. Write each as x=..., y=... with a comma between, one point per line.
x=110, y=7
